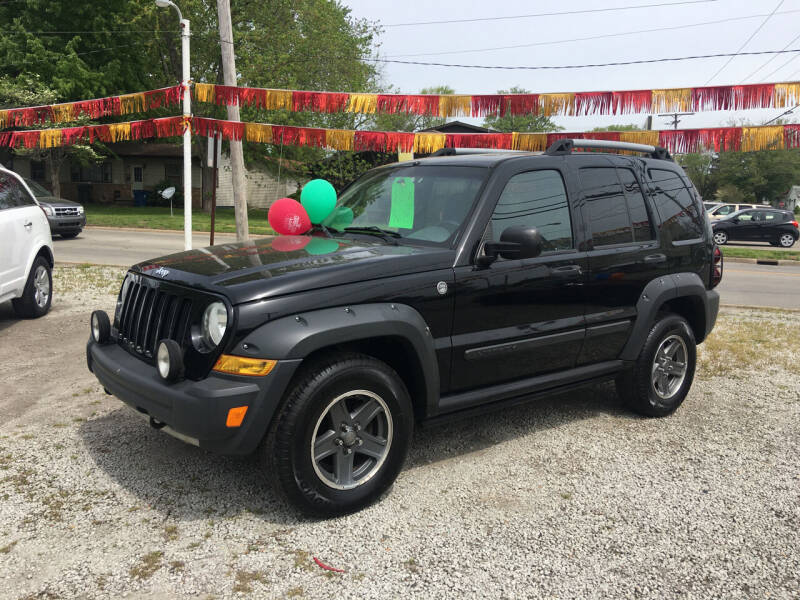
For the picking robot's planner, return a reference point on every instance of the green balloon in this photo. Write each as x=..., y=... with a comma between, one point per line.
x=342, y=217
x=319, y=199
x=320, y=245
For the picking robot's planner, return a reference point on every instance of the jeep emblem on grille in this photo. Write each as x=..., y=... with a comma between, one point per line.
x=161, y=272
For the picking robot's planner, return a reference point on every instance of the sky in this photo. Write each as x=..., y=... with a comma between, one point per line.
x=547, y=41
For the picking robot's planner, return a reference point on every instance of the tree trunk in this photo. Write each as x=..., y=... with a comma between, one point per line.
x=237, y=154
x=54, y=164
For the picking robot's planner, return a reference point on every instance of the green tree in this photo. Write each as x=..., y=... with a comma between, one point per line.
x=628, y=127
x=526, y=123
x=701, y=169
x=761, y=176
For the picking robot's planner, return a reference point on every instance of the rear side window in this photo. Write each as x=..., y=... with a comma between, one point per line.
x=607, y=212
x=11, y=193
x=680, y=215
x=535, y=199
x=773, y=216
x=637, y=209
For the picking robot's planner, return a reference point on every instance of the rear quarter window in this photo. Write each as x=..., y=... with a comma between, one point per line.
x=681, y=216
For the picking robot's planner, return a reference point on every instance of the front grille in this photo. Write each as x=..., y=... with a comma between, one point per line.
x=63, y=211
x=148, y=314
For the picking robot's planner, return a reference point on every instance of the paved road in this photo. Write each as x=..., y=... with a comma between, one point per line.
x=122, y=247
x=756, y=285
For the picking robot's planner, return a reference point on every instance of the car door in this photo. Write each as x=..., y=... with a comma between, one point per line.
x=17, y=229
x=769, y=225
x=519, y=318
x=624, y=255
x=745, y=226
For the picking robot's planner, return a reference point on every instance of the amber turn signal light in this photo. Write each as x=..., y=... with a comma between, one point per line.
x=236, y=416
x=240, y=365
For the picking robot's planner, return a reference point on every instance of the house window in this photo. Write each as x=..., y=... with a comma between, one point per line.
x=37, y=170
x=96, y=173
x=173, y=172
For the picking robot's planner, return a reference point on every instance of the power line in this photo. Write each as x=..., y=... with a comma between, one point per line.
x=594, y=37
x=787, y=112
x=773, y=57
x=9, y=32
x=747, y=41
x=766, y=77
x=586, y=66
x=550, y=14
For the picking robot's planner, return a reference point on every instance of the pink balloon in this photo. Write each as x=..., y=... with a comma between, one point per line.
x=290, y=243
x=288, y=217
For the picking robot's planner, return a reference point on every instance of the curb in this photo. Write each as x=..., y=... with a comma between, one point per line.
x=754, y=307
x=763, y=261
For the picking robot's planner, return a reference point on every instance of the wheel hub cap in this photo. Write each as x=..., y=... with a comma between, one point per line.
x=41, y=286
x=669, y=367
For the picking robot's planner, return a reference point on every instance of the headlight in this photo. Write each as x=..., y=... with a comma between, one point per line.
x=215, y=321
x=80, y=210
x=48, y=210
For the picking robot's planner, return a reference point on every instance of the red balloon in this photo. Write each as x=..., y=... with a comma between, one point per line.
x=290, y=243
x=288, y=217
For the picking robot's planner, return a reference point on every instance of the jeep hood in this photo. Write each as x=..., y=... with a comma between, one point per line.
x=278, y=265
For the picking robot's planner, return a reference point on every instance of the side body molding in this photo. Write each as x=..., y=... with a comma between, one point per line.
x=297, y=336
x=658, y=291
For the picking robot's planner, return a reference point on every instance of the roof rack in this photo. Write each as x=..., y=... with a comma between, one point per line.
x=457, y=151
x=565, y=146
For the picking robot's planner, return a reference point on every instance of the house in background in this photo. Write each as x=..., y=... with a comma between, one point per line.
x=457, y=127
x=137, y=170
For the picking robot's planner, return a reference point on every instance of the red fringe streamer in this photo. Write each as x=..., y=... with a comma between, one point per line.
x=28, y=139
x=519, y=104
x=142, y=129
x=5, y=139
x=395, y=141
x=488, y=104
x=712, y=98
x=253, y=97
x=391, y=103
x=310, y=136
x=720, y=139
x=99, y=132
x=478, y=140
x=226, y=95
x=752, y=96
x=422, y=104
x=158, y=98
x=681, y=141
x=169, y=126
x=374, y=141
x=287, y=136
x=631, y=102
x=791, y=136
x=204, y=127
x=325, y=102
x=70, y=135
x=592, y=103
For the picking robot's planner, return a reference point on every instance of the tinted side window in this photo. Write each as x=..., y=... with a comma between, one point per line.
x=747, y=216
x=680, y=216
x=640, y=219
x=535, y=199
x=23, y=197
x=11, y=194
x=607, y=211
x=774, y=216
x=723, y=210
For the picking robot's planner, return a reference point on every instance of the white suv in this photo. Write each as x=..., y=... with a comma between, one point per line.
x=26, y=249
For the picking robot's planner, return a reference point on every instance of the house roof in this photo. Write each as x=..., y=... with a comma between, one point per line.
x=458, y=127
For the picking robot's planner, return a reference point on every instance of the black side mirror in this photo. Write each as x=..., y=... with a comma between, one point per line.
x=516, y=242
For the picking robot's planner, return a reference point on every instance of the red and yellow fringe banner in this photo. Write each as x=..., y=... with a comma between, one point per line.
x=731, y=97
x=680, y=141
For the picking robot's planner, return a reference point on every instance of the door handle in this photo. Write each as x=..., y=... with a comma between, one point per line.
x=28, y=225
x=566, y=272
x=654, y=259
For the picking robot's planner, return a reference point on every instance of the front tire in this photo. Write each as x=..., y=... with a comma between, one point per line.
x=786, y=240
x=70, y=235
x=38, y=292
x=662, y=374
x=341, y=437
x=720, y=238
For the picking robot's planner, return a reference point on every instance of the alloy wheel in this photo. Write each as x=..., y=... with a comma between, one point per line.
x=721, y=238
x=41, y=286
x=669, y=366
x=786, y=240
x=352, y=439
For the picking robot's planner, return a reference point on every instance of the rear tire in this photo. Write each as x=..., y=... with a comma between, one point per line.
x=720, y=238
x=786, y=240
x=340, y=439
x=662, y=374
x=38, y=292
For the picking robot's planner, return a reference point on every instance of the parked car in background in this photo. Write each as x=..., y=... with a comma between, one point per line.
x=26, y=249
x=723, y=210
x=776, y=227
x=66, y=217
x=709, y=206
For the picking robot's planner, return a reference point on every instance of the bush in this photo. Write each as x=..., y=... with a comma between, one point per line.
x=729, y=194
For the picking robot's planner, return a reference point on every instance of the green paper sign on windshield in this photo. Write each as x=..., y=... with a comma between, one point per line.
x=402, y=211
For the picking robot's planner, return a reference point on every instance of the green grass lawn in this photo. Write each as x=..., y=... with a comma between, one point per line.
x=152, y=217
x=727, y=251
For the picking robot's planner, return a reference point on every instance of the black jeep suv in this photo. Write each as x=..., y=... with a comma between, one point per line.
x=456, y=283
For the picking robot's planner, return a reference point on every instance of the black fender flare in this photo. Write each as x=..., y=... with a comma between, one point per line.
x=297, y=336
x=653, y=297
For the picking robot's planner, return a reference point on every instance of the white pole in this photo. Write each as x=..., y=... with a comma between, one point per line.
x=187, y=140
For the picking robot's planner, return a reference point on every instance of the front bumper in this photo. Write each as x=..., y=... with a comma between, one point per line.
x=196, y=410
x=67, y=224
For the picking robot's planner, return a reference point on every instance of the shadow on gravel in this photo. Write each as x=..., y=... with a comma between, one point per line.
x=188, y=483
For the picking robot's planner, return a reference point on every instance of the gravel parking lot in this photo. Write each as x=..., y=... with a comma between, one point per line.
x=569, y=497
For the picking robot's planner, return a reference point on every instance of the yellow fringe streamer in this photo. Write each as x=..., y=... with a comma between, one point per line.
x=258, y=132
x=455, y=106
x=204, y=92
x=63, y=113
x=339, y=139
x=3, y=118
x=278, y=99
x=762, y=138
x=531, y=142
x=50, y=138
x=362, y=103
x=639, y=137
x=557, y=104
x=132, y=103
x=427, y=143
x=672, y=100
x=786, y=94
x=119, y=132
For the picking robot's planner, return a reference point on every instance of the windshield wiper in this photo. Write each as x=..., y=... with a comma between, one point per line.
x=374, y=230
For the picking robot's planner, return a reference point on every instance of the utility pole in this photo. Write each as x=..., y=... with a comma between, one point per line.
x=237, y=154
x=675, y=119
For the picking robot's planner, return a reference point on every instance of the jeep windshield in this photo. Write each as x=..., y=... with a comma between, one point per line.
x=426, y=204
